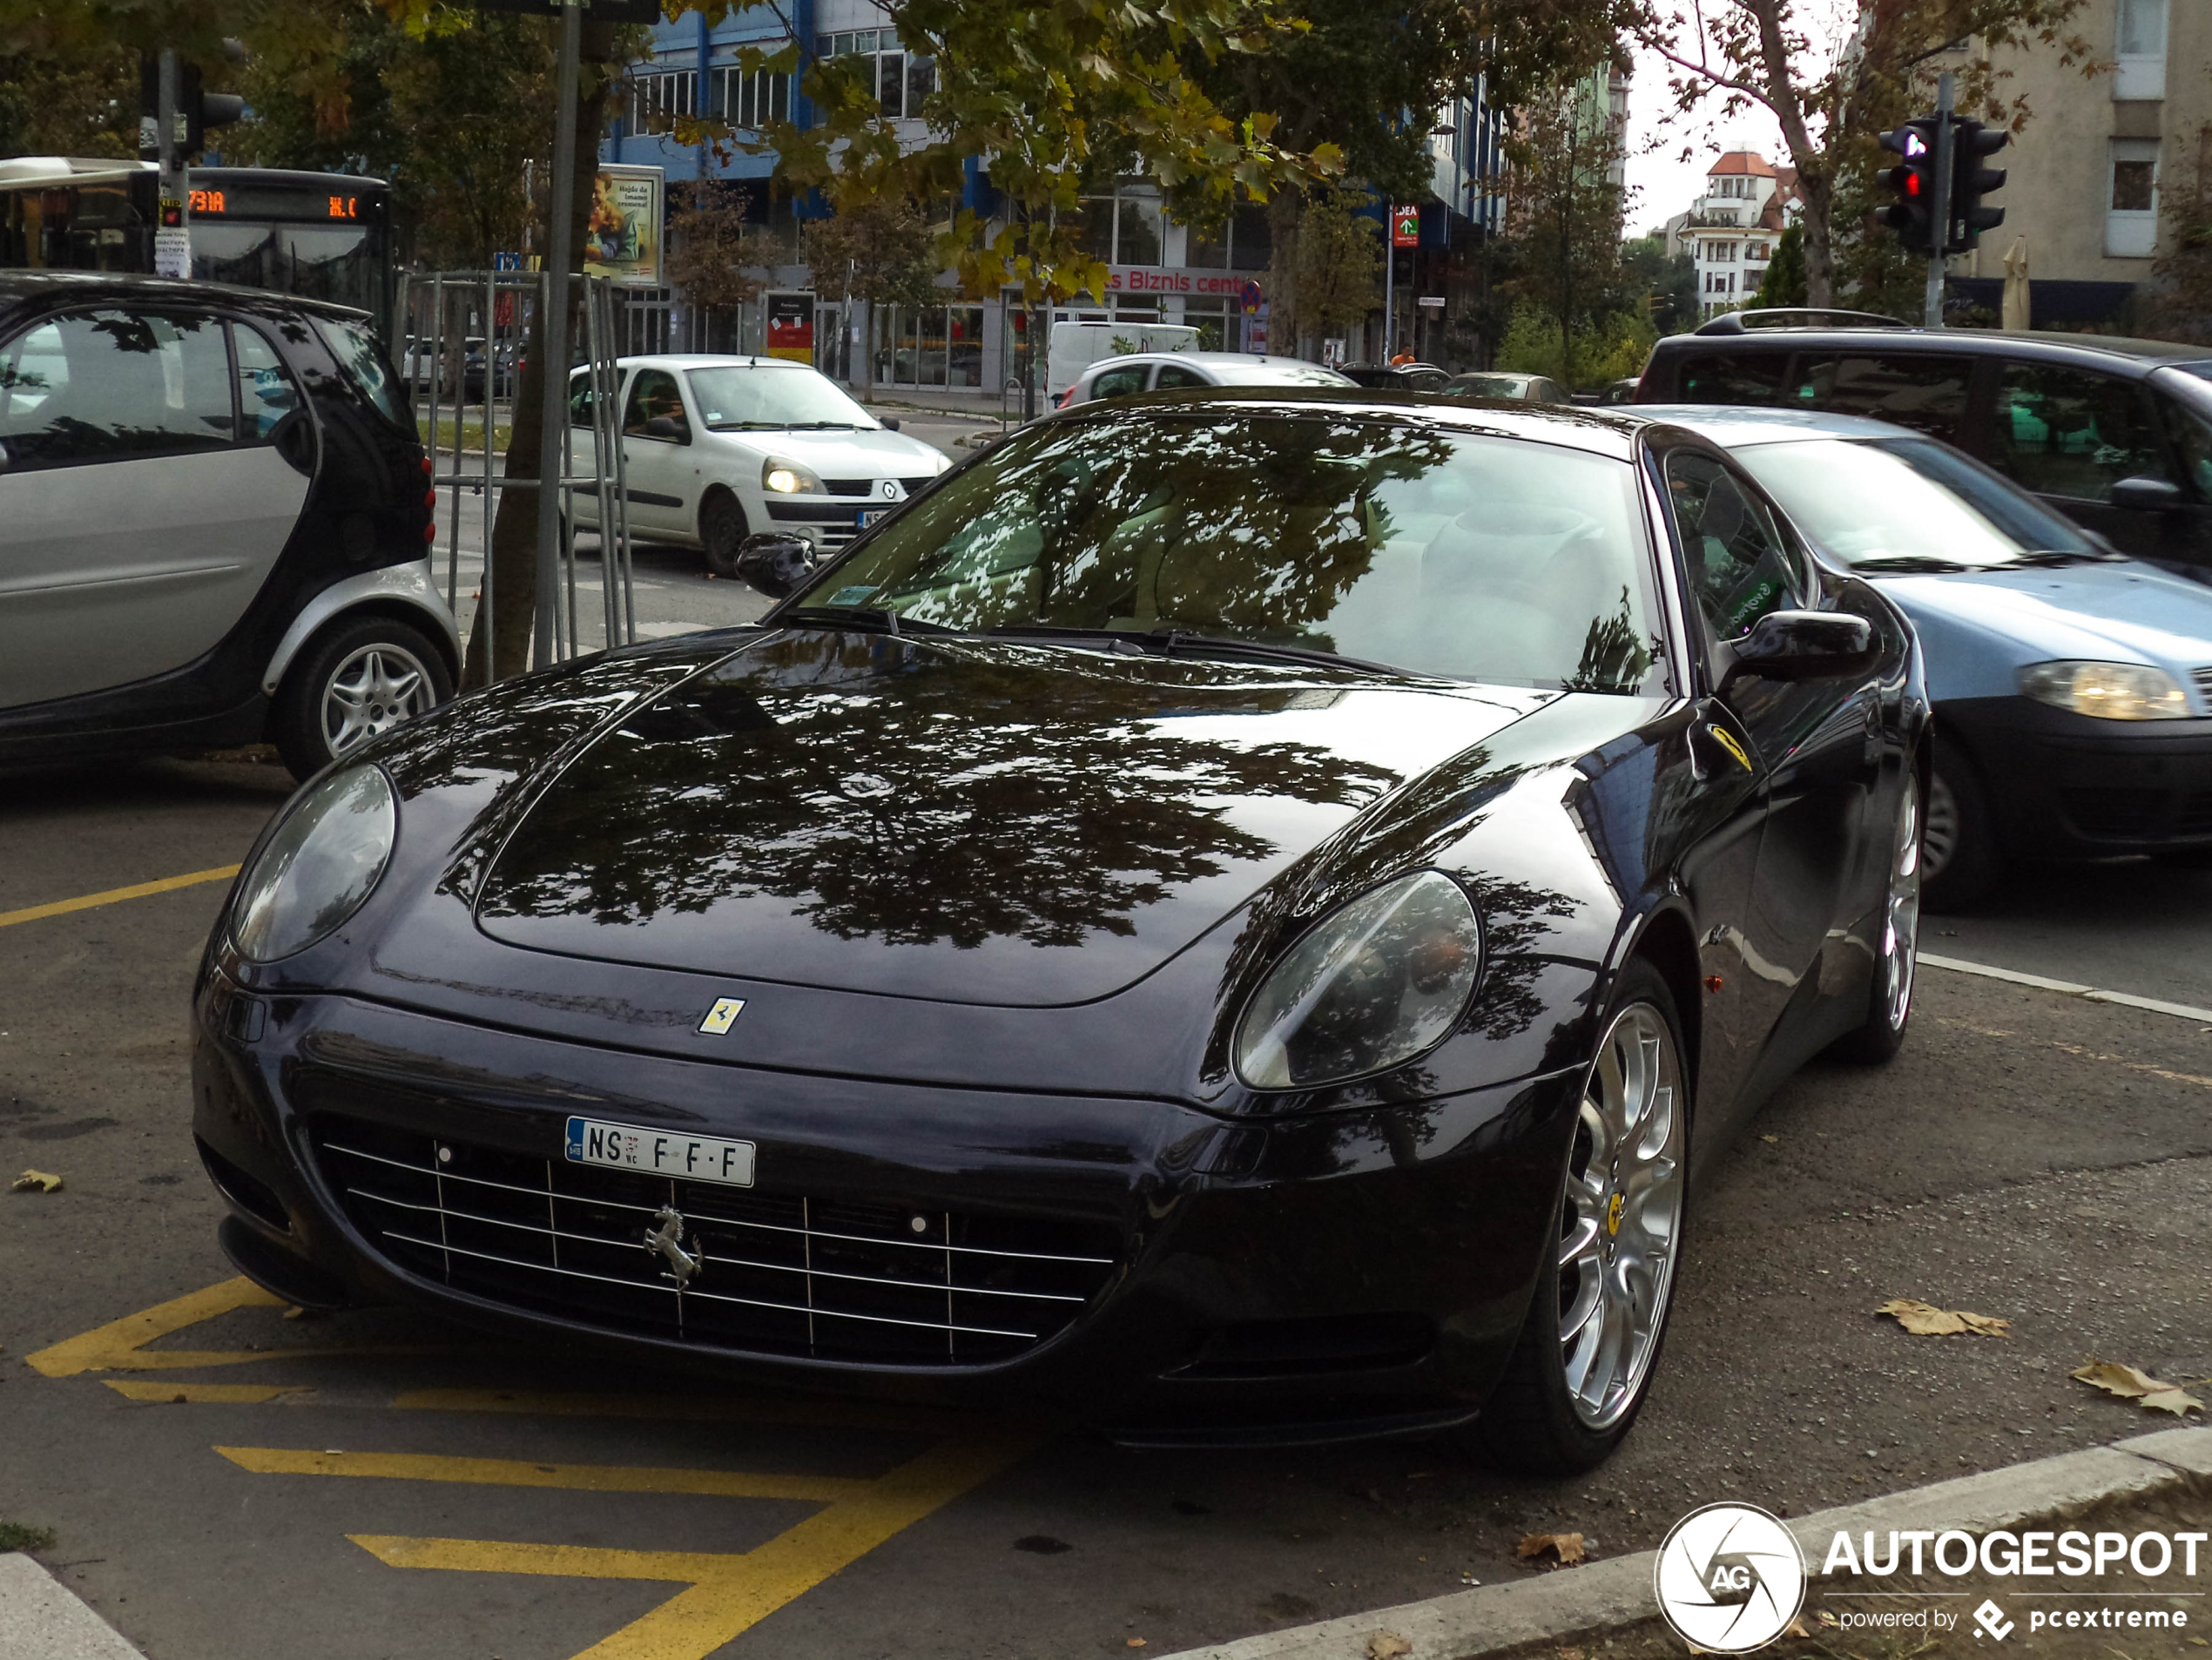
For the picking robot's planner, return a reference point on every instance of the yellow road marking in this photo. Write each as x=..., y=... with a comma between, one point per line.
x=137, y=890
x=728, y=1595
x=509, y=1472
x=227, y=1395
x=709, y=1409
x=120, y=1344
x=2079, y=1053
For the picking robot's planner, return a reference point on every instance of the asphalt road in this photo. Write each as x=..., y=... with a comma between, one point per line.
x=378, y=1485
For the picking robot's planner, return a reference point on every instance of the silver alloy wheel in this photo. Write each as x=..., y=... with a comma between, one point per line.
x=1901, y=923
x=1940, y=836
x=373, y=690
x=1622, y=1217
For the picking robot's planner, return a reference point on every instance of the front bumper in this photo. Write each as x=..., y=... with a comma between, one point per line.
x=1168, y=1273
x=2063, y=786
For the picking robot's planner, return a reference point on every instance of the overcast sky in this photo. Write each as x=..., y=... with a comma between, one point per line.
x=1661, y=183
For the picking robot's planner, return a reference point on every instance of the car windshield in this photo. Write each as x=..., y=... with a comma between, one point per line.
x=737, y=395
x=1448, y=554
x=1485, y=385
x=1903, y=502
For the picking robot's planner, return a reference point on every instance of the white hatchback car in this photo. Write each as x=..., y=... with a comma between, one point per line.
x=1122, y=377
x=718, y=449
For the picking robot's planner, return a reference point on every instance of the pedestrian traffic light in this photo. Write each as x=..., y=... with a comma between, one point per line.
x=1970, y=181
x=197, y=110
x=1912, y=180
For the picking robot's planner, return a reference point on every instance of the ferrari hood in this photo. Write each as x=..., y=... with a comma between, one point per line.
x=987, y=822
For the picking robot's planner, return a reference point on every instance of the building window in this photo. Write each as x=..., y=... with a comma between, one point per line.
x=2138, y=44
x=2131, y=211
x=1123, y=230
x=657, y=100
x=745, y=100
x=903, y=79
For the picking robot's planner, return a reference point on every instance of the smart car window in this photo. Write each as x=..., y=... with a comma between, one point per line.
x=267, y=392
x=1926, y=394
x=362, y=358
x=2072, y=433
x=107, y=385
x=1737, y=566
x=1452, y=554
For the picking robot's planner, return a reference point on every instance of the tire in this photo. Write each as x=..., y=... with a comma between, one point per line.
x=1961, y=859
x=722, y=531
x=1890, y=999
x=358, y=678
x=1537, y=1422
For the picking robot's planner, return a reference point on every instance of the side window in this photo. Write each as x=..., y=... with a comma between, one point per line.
x=109, y=385
x=1926, y=394
x=265, y=391
x=2072, y=433
x=1739, y=566
x=2191, y=431
x=1174, y=377
x=1118, y=383
x=580, y=399
x=1747, y=379
x=653, y=395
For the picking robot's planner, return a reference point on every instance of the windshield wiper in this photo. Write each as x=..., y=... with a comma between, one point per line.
x=1927, y=562
x=2049, y=556
x=1176, y=642
x=866, y=619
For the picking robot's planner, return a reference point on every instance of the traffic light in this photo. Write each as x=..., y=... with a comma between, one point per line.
x=197, y=110
x=1914, y=180
x=1970, y=181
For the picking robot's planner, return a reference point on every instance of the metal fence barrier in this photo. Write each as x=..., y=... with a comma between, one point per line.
x=461, y=347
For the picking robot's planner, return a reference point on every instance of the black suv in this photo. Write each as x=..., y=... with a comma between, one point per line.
x=2116, y=434
x=213, y=509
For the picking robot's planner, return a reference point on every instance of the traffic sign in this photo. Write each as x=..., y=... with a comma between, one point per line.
x=506, y=261
x=1251, y=297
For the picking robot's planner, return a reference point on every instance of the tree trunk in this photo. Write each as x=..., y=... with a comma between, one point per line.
x=1813, y=181
x=513, y=556
x=1820, y=245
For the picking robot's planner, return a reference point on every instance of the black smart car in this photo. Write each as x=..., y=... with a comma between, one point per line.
x=1244, y=916
x=212, y=516
x=2115, y=434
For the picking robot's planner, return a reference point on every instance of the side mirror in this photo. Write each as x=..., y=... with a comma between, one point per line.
x=2142, y=495
x=775, y=564
x=890, y=423
x=665, y=426
x=1802, y=645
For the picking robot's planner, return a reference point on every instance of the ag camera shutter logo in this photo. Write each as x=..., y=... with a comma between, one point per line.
x=1729, y=1578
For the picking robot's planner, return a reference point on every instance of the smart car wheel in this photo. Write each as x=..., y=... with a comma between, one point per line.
x=1897, y=949
x=1578, y=1377
x=354, y=682
x=722, y=531
x=1961, y=860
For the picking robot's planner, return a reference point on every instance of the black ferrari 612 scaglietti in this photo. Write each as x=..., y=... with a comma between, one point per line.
x=1242, y=917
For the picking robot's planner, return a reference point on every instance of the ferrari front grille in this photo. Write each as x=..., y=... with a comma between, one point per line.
x=791, y=1274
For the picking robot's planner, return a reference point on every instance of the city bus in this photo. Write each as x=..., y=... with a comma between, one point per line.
x=323, y=236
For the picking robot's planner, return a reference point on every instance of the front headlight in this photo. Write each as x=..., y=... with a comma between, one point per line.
x=2109, y=690
x=1367, y=988
x=789, y=478
x=321, y=863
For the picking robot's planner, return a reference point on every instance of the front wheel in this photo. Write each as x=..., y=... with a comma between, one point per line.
x=1890, y=1005
x=1579, y=1375
x=354, y=682
x=722, y=532
x=1961, y=861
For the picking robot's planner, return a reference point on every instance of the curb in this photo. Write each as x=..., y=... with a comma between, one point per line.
x=1582, y=1602
x=42, y=1619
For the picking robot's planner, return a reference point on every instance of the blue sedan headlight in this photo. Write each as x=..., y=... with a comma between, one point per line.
x=1370, y=987
x=2109, y=691
x=323, y=862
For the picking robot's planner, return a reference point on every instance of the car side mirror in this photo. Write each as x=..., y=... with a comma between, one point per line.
x=1802, y=645
x=775, y=564
x=2144, y=494
x=889, y=423
x=665, y=426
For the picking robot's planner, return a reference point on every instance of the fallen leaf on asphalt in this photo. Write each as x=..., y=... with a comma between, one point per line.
x=1770, y=1139
x=1798, y=1627
x=1925, y=1319
x=1828, y=1619
x=36, y=1181
x=1388, y=1645
x=1136, y=1642
x=2130, y=1384
x=1567, y=1546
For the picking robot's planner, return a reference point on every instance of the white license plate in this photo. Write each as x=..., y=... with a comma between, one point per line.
x=660, y=1152
x=870, y=515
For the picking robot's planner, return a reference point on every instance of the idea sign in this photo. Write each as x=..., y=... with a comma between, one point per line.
x=1404, y=227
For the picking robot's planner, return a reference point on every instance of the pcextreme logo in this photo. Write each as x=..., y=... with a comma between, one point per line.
x=1729, y=1578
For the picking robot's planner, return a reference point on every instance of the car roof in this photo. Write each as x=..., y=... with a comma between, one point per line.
x=1739, y=426
x=1224, y=360
x=2032, y=342
x=1599, y=431
x=22, y=288
x=713, y=360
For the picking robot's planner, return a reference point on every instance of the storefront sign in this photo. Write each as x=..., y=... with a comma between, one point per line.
x=1404, y=227
x=791, y=326
x=622, y=240
x=1178, y=280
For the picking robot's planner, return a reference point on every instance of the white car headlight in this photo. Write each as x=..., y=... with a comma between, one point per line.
x=1367, y=988
x=789, y=478
x=323, y=862
x=2109, y=690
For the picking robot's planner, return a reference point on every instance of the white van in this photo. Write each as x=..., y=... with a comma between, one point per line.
x=1076, y=346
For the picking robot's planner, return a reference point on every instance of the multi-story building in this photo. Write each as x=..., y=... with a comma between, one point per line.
x=1730, y=231
x=2086, y=175
x=1159, y=271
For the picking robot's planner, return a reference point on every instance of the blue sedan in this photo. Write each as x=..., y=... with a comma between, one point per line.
x=2072, y=685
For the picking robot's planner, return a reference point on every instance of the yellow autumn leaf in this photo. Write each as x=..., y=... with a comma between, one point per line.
x=1567, y=1546
x=2131, y=1383
x=1388, y=1645
x=36, y=1181
x=1925, y=1319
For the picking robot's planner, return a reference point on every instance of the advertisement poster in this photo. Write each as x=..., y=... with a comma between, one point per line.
x=623, y=240
x=1404, y=227
x=791, y=326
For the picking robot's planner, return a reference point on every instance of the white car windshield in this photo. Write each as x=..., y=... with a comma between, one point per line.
x=1905, y=505
x=739, y=396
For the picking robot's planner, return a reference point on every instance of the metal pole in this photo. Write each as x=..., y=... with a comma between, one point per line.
x=1390, y=280
x=175, y=196
x=1939, y=212
x=553, y=333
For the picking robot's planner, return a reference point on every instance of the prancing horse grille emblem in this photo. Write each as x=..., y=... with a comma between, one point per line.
x=667, y=1242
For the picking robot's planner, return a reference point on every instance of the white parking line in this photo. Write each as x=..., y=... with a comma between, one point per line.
x=2092, y=994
